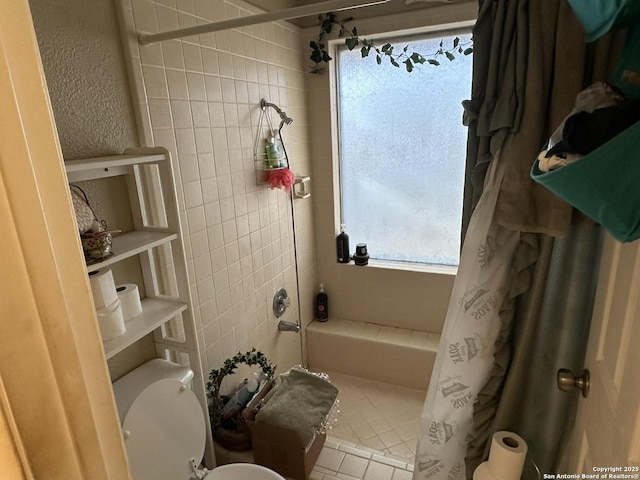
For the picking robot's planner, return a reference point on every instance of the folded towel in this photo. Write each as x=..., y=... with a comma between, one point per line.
x=300, y=402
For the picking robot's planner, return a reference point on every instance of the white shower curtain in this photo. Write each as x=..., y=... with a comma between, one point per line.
x=472, y=325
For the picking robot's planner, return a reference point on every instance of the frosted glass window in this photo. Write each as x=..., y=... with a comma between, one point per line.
x=402, y=151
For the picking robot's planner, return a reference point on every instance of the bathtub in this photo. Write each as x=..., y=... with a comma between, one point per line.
x=376, y=352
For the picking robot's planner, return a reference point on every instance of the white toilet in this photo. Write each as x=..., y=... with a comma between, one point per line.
x=164, y=427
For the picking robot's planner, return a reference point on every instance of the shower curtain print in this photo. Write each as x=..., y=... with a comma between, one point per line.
x=465, y=355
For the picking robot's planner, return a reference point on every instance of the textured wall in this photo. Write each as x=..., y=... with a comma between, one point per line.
x=83, y=60
x=85, y=71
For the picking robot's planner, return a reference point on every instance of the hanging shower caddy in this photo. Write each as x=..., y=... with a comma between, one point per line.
x=268, y=160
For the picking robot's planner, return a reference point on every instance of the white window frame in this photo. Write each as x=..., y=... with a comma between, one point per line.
x=334, y=45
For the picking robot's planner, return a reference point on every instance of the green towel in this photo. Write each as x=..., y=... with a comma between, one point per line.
x=299, y=402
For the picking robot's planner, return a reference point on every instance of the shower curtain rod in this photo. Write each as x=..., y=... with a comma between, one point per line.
x=285, y=14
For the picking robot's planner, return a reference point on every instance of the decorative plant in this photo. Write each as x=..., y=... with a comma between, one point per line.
x=328, y=21
x=216, y=402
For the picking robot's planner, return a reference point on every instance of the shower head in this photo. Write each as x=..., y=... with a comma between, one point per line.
x=286, y=120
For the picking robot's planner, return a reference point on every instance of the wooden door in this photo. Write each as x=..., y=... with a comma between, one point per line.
x=606, y=438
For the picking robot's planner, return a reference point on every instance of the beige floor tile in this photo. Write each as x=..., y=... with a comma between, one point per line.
x=353, y=465
x=373, y=442
x=353, y=450
x=378, y=417
x=330, y=459
x=401, y=475
x=378, y=471
x=380, y=425
x=401, y=451
x=390, y=438
x=364, y=431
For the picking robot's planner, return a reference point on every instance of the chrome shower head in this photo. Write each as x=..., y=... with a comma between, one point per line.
x=286, y=120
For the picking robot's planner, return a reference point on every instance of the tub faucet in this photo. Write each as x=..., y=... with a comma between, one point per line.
x=288, y=326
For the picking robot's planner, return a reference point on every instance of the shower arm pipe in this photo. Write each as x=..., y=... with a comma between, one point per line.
x=284, y=14
x=284, y=118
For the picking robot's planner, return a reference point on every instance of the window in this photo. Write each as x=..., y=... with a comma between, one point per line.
x=402, y=151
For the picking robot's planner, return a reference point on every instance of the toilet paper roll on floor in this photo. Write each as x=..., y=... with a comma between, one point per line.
x=111, y=321
x=130, y=300
x=103, y=287
x=507, y=455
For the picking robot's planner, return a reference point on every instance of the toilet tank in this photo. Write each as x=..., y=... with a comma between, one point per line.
x=162, y=421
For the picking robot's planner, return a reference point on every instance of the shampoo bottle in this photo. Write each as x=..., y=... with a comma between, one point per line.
x=240, y=399
x=271, y=149
x=342, y=246
x=322, y=305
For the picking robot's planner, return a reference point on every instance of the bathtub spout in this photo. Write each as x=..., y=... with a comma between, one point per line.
x=288, y=326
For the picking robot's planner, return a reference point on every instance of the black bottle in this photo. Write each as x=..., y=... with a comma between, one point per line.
x=322, y=305
x=342, y=246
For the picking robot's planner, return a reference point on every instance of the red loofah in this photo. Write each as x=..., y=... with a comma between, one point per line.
x=281, y=178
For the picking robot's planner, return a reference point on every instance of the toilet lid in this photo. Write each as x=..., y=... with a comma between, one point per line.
x=164, y=429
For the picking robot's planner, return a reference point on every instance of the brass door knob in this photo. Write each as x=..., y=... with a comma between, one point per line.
x=568, y=381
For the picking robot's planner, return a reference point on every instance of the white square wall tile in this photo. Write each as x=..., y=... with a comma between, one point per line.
x=239, y=68
x=181, y=113
x=225, y=64
x=202, y=267
x=144, y=14
x=213, y=88
x=152, y=55
x=188, y=168
x=204, y=144
x=225, y=187
x=200, y=114
x=210, y=61
x=209, y=190
x=196, y=87
x=213, y=214
x=185, y=142
x=196, y=219
x=167, y=18
x=177, y=83
x=228, y=90
x=216, y=237
x=206, y=165
x=216, y=114
x=155, y=82
x=192, y=58
x=192, y=194
x=160, y=113
x=172, y=55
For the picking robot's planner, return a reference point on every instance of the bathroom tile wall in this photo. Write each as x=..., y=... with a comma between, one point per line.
x=199, y=97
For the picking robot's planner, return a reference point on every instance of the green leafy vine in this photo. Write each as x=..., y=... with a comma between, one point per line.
x=215, y=400
x=328, y=21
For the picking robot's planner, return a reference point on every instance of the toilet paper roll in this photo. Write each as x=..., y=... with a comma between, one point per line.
x=111, y=321
x=507, y=455
x=483, y=472
x=130, y=300
x=103, y=287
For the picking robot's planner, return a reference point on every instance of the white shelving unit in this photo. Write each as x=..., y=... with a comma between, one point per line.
x=157, y=242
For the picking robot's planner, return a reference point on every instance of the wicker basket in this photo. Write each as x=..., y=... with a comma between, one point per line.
x=97, y=246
